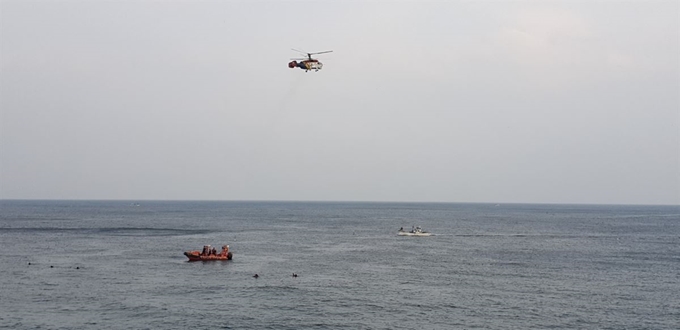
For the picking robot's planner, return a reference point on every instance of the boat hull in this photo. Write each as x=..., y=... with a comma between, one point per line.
x=196, y=256
x=405, y=233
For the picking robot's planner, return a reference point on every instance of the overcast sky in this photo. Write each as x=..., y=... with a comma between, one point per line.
x=441, y=101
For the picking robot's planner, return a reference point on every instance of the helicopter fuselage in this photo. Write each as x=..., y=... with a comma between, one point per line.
x=306, y=65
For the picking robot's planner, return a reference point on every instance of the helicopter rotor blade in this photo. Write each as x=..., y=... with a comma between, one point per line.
x=299, y=51
x=328, y=51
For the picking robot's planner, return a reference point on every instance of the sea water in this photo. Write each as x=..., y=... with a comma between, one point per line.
x=120, y=265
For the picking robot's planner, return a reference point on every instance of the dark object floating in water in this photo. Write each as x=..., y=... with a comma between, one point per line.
x=294, y=275
x=256, y=276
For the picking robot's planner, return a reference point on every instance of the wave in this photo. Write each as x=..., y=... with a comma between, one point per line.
x=113, y=231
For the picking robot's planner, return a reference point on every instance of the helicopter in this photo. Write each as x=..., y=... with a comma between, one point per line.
x=308, y=63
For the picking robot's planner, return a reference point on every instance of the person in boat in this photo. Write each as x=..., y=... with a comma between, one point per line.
x=214, y=251
x=205, y=251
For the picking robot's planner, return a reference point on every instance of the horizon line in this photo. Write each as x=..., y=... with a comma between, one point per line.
x=324, y=201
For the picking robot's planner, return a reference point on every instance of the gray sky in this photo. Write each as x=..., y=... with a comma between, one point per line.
x=446, y=101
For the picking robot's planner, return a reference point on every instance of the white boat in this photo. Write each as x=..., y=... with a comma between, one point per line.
x=415, y=231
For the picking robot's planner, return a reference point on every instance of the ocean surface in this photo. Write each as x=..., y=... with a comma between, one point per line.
x=120, y=265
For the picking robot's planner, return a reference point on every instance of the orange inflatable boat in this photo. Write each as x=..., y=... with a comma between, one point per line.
x=209, y=254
